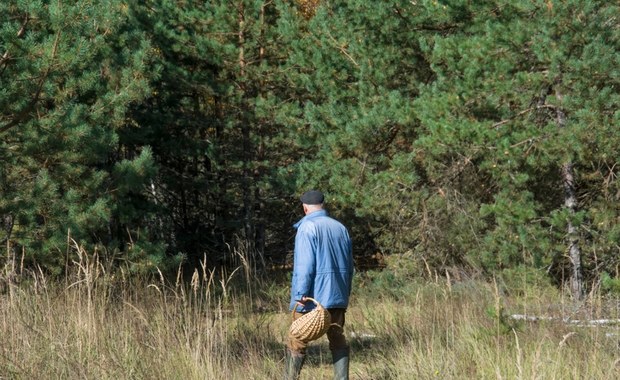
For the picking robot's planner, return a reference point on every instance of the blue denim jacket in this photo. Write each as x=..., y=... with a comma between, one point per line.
x=323, y=262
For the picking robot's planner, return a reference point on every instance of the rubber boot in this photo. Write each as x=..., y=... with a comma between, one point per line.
x=340, y=358
x=293, y=364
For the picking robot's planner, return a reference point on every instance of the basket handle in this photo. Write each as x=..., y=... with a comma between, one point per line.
x=306, y=299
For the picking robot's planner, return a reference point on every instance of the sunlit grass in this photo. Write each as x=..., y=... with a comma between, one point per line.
x=107, y=324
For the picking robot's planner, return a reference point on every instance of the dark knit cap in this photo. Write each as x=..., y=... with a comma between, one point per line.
x=312, y=197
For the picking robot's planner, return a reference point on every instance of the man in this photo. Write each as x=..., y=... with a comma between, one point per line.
x=323, y=270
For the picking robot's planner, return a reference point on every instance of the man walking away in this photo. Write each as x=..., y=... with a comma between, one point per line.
x=323, y=270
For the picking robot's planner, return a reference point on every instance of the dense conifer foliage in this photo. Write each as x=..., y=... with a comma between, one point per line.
x=514, y=127
x=467, y=136
x=69, y=72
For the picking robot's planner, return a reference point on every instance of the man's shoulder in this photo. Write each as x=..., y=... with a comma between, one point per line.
x=307, y=225
x=320, y=220
x=333, y=225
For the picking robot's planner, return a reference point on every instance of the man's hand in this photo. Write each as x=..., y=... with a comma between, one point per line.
x=302, y=301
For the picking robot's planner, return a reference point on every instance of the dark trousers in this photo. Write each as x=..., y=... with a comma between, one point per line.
x=335, y=334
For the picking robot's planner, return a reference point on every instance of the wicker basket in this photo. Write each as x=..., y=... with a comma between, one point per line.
x=312, y=325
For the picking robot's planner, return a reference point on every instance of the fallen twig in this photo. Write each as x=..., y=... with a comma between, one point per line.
x=578, y=322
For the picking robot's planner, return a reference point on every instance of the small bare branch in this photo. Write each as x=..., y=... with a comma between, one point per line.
x=525, y=111
x=343, y=50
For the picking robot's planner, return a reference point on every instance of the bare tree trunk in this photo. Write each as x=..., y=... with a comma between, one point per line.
x=259, y=204
x=7, y=224
x=9, y=272
x=570, y=202
x=246, y=185
x=574, y=252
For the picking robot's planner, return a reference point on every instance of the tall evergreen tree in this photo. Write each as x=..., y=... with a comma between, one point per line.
x=68, y=73
x=449, y=124
x=359, y=66
x=526, y=98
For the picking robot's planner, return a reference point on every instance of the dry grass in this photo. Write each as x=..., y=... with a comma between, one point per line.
x=102, y=325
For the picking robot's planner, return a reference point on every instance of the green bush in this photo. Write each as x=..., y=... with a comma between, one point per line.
x=610, y=285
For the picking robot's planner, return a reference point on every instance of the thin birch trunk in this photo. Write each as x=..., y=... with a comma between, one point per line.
x=570, y=202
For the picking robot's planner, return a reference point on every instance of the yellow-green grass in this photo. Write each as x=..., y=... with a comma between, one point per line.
x=101, y=325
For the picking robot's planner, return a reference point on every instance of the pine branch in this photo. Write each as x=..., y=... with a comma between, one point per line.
x=505, y=121
x=23, y=114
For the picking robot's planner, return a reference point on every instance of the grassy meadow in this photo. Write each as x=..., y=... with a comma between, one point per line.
x=99, y=324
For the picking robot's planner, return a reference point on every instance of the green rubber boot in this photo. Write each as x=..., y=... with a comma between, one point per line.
x=340, y=358
x=292, y=366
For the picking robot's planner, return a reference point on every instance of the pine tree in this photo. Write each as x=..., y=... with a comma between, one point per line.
x=524, y=93
x=449, y=125
x=358, y=66
x=68, y=73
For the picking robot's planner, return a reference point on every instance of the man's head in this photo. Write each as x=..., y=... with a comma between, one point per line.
x=312, y=200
